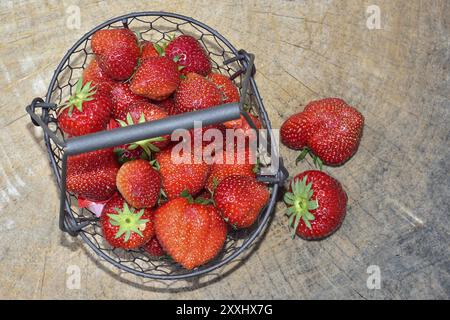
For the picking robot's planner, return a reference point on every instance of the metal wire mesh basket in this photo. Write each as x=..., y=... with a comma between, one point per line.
x=155, y=27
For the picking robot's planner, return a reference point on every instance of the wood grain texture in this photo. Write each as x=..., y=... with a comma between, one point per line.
x=398, y=182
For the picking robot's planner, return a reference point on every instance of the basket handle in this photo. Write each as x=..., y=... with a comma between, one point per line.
x=151, y=129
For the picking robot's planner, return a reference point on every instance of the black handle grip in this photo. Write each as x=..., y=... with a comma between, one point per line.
x=119, y=136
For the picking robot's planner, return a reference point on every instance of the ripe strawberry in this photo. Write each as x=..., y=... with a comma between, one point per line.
x=243, y=128
x=316, y=205
x=139, y=183
x=192, y=234
x=184, y=175
x=153, y=247
x=149, y=50
x=117, y=52
x=190, y=54
x=195, y=93
x=239, y=163
x=156, y=78
x=93, y=73
x=144, y=111
x=123, y=152
x=124, y=226
x=92, y=175
x=122, y=97
x=168, y=105
x=87, y=111
x=240, y=199
x=230, y=92
x=329, y=128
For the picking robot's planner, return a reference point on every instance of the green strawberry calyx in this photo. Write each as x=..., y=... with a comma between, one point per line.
x=316, y=160
x=82, y=94
x=128, y=222
x=147, y=144
x=300, y=203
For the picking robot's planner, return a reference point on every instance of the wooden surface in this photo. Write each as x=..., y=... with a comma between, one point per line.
x=398, y=182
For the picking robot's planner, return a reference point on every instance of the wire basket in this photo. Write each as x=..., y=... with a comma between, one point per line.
x=155, y=27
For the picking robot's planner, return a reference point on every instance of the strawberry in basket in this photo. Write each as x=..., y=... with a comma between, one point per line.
x=122, y=97
x=92, y=175
x=240, y=200
x=189, y=54
x=124, y=226
x=88, y=110
x=191, y=233
x=195, y=93
x=117, y=52
x=156, y=78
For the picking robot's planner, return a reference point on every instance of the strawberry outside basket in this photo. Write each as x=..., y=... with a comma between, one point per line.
x=155, y=27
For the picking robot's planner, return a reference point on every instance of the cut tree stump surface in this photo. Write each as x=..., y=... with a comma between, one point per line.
x=398, y=182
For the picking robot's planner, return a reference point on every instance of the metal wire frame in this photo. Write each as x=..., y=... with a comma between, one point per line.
x=156, y=27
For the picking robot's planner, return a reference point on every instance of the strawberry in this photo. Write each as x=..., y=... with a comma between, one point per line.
x=189, y=54
x=156, y=78
x=144, y=111
x=139, y=183
x=92, y=175
x=195, y=93
x=239, y=163
x=316, y=205
x=191, y=233
x=124, y=226
x=178, y=177
x=153, y=247
x=149, y=50
x=329, y=128
x=243, y=128
x=123, y=152
x=122, y=97
x=240, y=199
x=93, y=73
x=230, y=92
x=88, y=110
x=117, y=52
x=168, y=105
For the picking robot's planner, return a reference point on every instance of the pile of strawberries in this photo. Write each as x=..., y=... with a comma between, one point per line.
x=184, y=210
x=330, y=131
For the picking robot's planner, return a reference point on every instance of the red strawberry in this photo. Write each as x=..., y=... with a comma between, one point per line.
x=230, y=92
x=206, y=136
x=195, y=93
x=143, y=112
x=122, y=97
x=87, y=111
x=117, y=52
x=240, y=199
x=149, y=50
x=126, y=227
x=185, y=175
x=316, y=205
x=156, y=78
x=243, y=128
x=189, y=54
x=168, y=105
x=329, y=128
x=123, y=152
x=238, y=163
x=92, y=175
x=153, y=247
x=192, y=234
x=93, y=73
x=139, y=183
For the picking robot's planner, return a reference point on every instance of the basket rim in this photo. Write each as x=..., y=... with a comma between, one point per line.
x=265, y=214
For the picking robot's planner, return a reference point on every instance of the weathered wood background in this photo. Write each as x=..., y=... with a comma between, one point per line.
x=398, y=182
